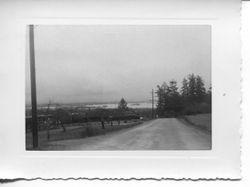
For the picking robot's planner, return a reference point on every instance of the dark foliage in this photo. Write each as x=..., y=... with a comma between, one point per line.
x=191, y=99
x=123, y=105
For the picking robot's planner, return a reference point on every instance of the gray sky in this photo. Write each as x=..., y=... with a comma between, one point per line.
x=105, y=63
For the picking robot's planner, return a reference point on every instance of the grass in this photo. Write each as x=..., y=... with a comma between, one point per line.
x=203, y=121
x=75, y=132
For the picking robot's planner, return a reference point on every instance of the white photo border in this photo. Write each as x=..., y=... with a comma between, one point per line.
x=223, y=161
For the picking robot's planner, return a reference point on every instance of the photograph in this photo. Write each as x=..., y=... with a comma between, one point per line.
x=122, y=90
x=118, y=87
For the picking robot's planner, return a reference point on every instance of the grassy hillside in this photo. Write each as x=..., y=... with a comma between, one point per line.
x=203, y=121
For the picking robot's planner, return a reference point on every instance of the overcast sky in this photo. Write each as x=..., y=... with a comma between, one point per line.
x=105, y=63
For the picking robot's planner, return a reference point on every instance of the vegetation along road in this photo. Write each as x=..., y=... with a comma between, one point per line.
x=158, y=134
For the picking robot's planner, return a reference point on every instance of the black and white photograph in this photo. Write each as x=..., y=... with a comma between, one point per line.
x=122, y=90
x=118, y=87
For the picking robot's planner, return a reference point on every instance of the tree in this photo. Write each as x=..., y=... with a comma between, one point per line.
x=122, y=105
x=209, y=95
x=169, y=101
x=161, y=94
x=184, y=88
x=191, y=99
x=200, y=91
x=191, y=88
x=62, y=115
x=173, y=104
x=209, y=92
x=172, y=88
x=160, y=101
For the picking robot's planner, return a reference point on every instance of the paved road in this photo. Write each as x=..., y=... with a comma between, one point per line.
x=159, y=134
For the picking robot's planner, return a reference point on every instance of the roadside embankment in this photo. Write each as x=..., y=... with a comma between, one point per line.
x=203, y=121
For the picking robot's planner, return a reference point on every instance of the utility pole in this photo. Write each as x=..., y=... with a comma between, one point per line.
x=152, y=103
x=33, y=87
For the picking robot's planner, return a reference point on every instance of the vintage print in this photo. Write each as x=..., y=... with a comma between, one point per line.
x=118, y=87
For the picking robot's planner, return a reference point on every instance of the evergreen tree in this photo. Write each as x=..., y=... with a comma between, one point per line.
x=162, y=98
x=165, y=94
x=192, y=98
x=160, y=101
x=209, y=95
x=200, y=91
x=173, y=105
x=123, y=105
x=184, y=88
x=209, y=92
x=191, y=88
x=172, y=88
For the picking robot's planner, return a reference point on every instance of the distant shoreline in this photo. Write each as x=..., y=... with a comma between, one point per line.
x=85, y=103
x=107, y=105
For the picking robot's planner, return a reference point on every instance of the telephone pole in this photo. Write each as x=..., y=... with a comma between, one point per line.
x=152, y=103
x=33, y=87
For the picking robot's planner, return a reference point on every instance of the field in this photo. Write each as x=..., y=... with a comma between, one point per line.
x=61, y=124
x=77, y=131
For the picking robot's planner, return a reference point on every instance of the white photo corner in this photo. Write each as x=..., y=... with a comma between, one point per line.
x=144, y=89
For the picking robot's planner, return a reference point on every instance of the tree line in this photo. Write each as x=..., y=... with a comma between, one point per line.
x=191, y=98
